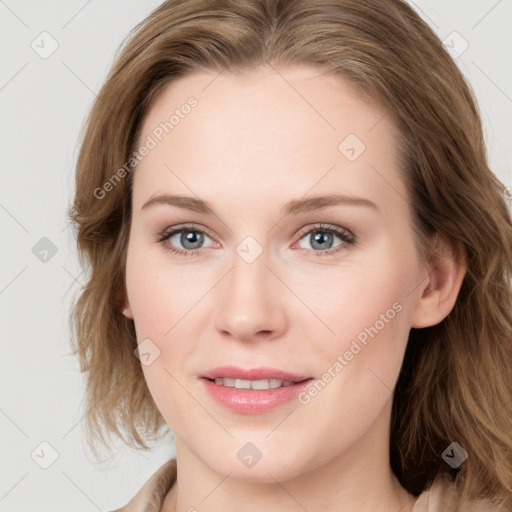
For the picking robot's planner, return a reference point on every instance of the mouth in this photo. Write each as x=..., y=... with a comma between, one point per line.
x=255, y=391
x=253, y=378
x=257, y=385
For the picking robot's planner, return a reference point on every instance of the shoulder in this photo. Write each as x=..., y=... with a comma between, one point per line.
x=152, y=494
x=442, y=496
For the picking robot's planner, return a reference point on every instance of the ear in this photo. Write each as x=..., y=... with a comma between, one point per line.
x=127, y=310
x=446, y=268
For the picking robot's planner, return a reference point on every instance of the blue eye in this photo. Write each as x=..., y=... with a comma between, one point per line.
x=321, y=237
x=190, y=237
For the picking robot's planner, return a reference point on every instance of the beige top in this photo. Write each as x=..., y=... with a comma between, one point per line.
x=440, y=497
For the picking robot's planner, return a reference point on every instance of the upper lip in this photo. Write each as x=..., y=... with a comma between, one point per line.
x=232, y=372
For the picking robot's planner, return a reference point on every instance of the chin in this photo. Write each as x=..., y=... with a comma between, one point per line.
x=269, y=468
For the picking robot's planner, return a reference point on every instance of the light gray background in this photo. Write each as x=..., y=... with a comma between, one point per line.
x=43, y=104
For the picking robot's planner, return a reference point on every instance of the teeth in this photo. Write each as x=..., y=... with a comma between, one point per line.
x=252, y=384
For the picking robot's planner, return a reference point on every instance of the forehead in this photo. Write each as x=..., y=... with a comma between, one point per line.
x=293, y=128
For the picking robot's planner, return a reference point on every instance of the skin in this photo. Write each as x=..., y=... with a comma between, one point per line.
x=253, y=143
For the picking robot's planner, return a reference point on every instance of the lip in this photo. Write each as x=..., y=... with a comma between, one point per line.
x=233, y=372
x=251, y=401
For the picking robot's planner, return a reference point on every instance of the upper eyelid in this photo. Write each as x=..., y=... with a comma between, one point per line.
x=188, y=227
x=326, y=227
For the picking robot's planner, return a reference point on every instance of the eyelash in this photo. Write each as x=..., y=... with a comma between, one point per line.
x=343, y=234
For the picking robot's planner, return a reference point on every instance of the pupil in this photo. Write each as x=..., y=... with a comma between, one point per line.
x=320, y=237
x=189, y=236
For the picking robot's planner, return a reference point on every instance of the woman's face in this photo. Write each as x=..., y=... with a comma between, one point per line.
x=271, y=275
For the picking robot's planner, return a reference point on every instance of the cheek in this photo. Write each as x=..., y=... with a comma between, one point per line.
x=160, y=300
x=358, y=365
x=164, y=301
x=355, y=296
x=171, y=392
x=367, y=309
x=156, y=292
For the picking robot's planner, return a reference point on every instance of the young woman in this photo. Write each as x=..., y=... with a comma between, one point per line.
x=299, y=263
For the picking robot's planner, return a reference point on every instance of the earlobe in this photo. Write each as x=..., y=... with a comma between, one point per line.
x=127, y=312
x=446, y=270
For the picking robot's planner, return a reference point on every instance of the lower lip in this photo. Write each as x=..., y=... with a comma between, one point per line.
x=252, y=401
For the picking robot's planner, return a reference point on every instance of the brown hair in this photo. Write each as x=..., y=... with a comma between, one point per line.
x=456, y=379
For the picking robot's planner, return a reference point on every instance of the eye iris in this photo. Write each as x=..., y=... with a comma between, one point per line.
x=320, y=237
x=191, y=237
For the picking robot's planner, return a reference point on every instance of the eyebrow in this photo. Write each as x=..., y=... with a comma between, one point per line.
x=293, y=207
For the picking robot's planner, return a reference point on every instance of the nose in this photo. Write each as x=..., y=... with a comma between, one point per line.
x=250, y=303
